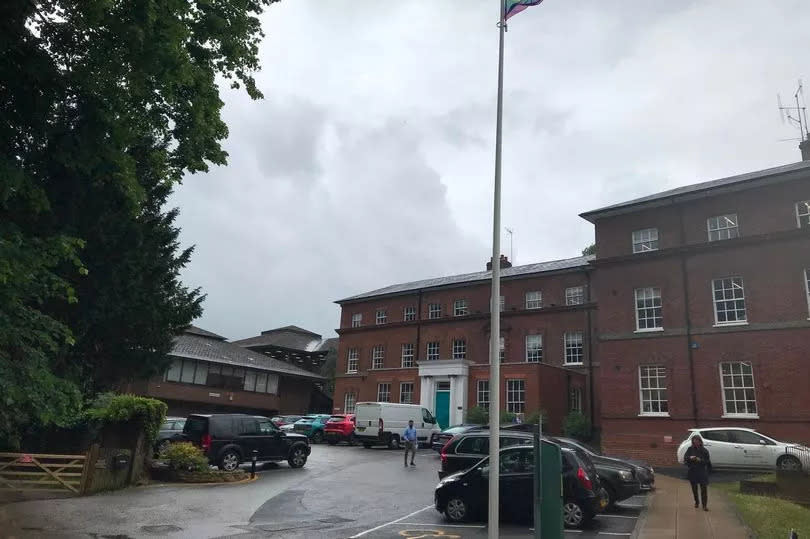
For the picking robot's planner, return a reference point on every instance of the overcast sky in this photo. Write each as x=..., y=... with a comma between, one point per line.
x=370, y=161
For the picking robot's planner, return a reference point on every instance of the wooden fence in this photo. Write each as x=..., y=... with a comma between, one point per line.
x=27, y=472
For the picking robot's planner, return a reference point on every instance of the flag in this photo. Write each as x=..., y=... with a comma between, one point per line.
x=513, y=7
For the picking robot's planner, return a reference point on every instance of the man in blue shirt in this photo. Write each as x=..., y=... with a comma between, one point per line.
x=410, y=442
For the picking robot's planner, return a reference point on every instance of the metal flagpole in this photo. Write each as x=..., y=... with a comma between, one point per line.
x=495, y=326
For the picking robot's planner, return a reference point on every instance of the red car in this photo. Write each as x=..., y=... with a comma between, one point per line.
x=340, y=428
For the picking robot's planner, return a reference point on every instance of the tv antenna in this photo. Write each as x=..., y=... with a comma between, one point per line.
x=511, y=243
x=796, y=115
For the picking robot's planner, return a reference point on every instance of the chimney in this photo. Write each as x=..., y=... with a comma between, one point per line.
x=504, y=263
x=804, y=146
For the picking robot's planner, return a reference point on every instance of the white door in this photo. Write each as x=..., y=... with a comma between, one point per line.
x=721, y=450
x=753, y=448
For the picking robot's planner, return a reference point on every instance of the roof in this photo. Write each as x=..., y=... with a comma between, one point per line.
x=748, y=180
x=194, y=346
x=481, y=276
x=204, y=333
x=290, y=337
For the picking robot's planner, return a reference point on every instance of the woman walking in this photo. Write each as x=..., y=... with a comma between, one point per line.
x=699, y=463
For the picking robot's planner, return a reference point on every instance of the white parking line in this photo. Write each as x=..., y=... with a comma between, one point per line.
x=617, y=516
x=440, y=525
x=615, y=533
x=361, y=534
x=631, y=506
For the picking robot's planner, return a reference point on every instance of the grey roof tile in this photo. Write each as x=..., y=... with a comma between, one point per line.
x=204, y=333
x=686, y=190
x=515, y=271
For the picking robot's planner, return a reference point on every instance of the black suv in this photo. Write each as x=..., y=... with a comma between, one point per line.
x=229, y=439
x=463, y=496
x=465, y=450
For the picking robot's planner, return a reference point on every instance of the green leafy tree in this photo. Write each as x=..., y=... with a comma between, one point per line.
x=589, y=250
x=104, y=106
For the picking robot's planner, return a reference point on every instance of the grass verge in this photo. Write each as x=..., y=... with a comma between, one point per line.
x=768, y=518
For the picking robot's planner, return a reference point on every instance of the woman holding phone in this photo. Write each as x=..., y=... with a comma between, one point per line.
x=698, y=461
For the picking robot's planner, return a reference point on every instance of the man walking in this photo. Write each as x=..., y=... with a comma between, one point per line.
x=410, y=442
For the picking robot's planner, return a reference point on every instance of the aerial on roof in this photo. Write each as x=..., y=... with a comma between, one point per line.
x=195, y=346
x=741, y=181
x=506, y=273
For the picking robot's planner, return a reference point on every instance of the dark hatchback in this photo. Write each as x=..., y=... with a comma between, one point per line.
x=464, y=495
x=465, y=450
x=439, y=439
x=229, y=439
x=644, y=472
x=618, y=478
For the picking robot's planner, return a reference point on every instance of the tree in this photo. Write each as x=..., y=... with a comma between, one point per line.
x=104, y=107
x=589, y=250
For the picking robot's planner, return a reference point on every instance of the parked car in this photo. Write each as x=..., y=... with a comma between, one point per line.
x=514, y=427
x=281, y=420
x=312, y=426
x=465, y=450
x=382, y=423
x=463, y=495
x=340, y=428
x=644, y=472
x=618, y=478
x=229, y=439
x=740, y=448
x=438, y=439
x=169, y=429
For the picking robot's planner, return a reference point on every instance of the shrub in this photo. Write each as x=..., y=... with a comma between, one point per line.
x=536, y=417
x=185, y=456
x=577, y=426
x=477, y=415
x=507, y=417
x=113, y=408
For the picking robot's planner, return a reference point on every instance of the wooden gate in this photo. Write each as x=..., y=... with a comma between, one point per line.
x=43, y=473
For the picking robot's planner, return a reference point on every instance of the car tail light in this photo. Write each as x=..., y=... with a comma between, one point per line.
x=205, y=442
x=584, y=479
x=443, y=452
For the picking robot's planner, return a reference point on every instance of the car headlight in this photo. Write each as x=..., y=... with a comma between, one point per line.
x=625, y=475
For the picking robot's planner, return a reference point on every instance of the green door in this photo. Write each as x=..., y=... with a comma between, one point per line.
x=443, y=409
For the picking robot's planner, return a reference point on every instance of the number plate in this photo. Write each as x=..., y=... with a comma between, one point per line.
x=361, y=429
x=603, y=503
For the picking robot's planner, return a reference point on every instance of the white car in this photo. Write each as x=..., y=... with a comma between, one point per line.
x=733, y=447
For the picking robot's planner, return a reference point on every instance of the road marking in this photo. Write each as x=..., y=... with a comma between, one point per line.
x=615, y=533
x=617, y=516
x=631, y=506
x=440, y=525
x=361, y=534
x=564, y=531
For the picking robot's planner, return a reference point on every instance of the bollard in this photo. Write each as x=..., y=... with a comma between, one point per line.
x=253, y=464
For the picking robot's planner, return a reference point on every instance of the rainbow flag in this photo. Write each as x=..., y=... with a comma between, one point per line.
x=513, y=7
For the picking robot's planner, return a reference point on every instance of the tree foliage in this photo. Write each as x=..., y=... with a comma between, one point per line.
x=104, y=106
x=589, y=250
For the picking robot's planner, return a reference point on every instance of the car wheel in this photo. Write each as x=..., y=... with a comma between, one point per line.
x=789, y=463
x=350, y=440
x=331, y=441
x=298, y=457
x=611, y=498
x=573, y=515
x=456, y=510
x=229, y=461
x=367, y=445
x=393, y=442
x=317, y=437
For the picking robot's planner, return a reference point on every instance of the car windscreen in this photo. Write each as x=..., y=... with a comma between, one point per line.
x=337, y=419
x=306, y=420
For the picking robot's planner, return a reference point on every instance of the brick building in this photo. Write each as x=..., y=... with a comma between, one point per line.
x=427, y=342
x=703, y=299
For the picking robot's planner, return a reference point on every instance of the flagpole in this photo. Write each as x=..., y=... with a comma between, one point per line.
x=495, y=326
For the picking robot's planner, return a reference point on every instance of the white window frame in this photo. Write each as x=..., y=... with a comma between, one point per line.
x=734, y=388
x=719, y=229
x=357, y=320
x=534, y=299
x=352, y=356
x=349, y=404
x=378, y=357
x=738, y=321
x=656, y=377
x=381, y=317
x=480, y=392
x=807, y=289
x=459, y=349
x=573, y=340
x=516, y=395
x=381, y=393
x=644, y=240
x=803, y=214
x=460, y=308
x=575, y=295
x=534, y=352
x=430, y=355
x=575, y=400
x=401, y=392
x=646, y=313
x=434, y=311
x=408, y=352
x=409, y=314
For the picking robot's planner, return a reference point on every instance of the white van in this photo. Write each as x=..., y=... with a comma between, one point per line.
x=382, y=423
